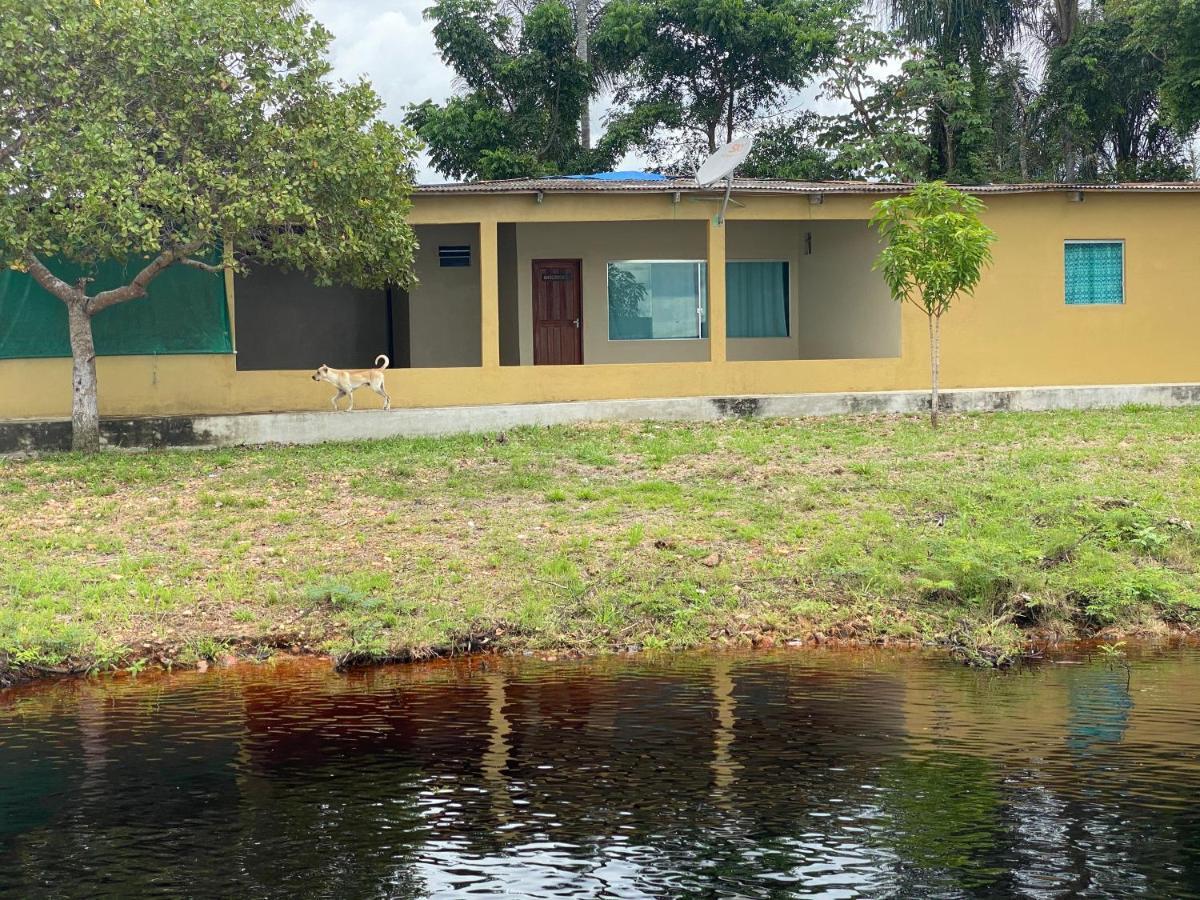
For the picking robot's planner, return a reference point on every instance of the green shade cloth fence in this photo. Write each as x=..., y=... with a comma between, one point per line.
x=185, y=311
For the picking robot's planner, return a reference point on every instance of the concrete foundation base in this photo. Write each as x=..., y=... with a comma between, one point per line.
x=319, y=427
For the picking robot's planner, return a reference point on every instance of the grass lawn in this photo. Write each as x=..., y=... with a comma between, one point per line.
x=592, y=538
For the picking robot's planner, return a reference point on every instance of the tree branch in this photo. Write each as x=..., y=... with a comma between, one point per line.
x=137, y=287
x=8, y=151
x=48, y=280
x=203, y=266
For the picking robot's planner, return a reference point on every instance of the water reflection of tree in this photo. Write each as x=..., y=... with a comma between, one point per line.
x=626, y=297
x=944, y=817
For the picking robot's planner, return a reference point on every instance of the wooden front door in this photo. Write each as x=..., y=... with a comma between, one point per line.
x=557, y=313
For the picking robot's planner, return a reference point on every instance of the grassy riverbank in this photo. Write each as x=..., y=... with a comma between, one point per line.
x=593, y=538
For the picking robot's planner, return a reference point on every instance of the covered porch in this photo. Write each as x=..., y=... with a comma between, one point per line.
x=681, y=288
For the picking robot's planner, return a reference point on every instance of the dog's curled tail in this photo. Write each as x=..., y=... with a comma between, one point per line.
x=386, y=362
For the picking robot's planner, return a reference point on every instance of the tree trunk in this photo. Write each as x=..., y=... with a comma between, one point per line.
x=729, y=117
x=934, y=366
x=85, y=409
x=581, y=51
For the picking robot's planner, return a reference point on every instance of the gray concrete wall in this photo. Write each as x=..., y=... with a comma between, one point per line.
x=510, y=314
x=284, y=322
x=444, y=320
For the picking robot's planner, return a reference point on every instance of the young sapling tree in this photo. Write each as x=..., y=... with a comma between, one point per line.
x=935, y=250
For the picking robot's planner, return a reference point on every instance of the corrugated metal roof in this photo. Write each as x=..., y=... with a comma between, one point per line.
x=769, y=186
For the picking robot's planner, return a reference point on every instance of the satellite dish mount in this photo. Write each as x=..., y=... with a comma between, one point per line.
x=721, y=165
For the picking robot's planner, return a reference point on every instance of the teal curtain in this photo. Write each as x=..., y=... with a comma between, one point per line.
x=1095, y=272
x=184, y=311
x=756, y=299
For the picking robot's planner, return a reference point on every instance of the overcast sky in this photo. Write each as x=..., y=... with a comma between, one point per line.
x=390, y=42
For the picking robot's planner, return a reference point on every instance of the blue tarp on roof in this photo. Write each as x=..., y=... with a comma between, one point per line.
x=618, y=176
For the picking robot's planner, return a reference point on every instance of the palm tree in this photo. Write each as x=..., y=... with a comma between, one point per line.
x=965, y=32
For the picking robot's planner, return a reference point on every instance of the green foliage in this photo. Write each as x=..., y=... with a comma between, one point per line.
x=929, y=117
x=705, y=71
x=935, y=249
x=134, y=128
x=935, y=245
x=1102, y=100
x=880, y=136
x=792, y=149
x=1168, y=31
x=965, y=36
x=525, y=91
x=1117, y=99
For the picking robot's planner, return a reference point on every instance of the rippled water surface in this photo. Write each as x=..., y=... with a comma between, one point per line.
x=795, y=774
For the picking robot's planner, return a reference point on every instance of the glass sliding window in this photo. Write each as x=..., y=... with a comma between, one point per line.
x=1095, y=272
x=650, y=299
x=756, y=302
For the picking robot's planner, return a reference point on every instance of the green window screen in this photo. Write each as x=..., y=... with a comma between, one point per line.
x=756, y=299
x=1095, y=272
x=657, y=300
x=184, y=311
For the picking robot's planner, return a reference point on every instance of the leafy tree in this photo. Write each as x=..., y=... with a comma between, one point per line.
x=706, y=70
x=966, y=36
x=792, y=149
x=585, y=14
x=1016, y=152
x=151, y=131
x=880, y=135
x=889, y=129
x=1101, y=100
x=1169, y=31
x=1052, y=22
x=526, y=91
x=935, y=249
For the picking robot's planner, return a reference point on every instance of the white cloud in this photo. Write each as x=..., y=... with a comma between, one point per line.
x=391, y=43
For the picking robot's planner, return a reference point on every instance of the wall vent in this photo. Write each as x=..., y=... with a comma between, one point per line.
x=454, y=256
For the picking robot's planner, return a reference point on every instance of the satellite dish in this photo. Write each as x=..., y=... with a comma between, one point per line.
x=721, y=165
x=723, y=161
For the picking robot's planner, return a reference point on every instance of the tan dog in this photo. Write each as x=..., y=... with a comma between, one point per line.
x=347, y=381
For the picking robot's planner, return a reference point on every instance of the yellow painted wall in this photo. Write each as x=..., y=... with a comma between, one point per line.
x=1016, y=331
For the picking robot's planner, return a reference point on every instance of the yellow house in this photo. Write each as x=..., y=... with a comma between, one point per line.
x=541, y=290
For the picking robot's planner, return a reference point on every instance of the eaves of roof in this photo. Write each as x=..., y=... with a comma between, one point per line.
x=770, y=186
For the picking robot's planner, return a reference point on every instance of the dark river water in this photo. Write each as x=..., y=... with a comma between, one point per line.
x=792, y=774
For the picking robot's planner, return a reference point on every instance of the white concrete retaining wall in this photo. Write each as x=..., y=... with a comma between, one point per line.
x=314, y=427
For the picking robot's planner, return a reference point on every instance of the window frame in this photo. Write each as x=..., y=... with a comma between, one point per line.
x=1090, y=304
x=702, y=311
x=788, y=308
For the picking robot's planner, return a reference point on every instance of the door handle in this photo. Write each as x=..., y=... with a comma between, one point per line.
x=576, y=322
